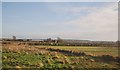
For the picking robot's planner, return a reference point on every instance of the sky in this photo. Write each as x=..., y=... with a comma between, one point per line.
x=0, y=19
x=60, y=0
x=68, y=20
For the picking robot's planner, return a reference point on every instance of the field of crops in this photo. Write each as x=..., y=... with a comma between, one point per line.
x=64, y=57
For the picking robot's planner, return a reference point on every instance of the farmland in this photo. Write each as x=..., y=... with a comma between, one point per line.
x=72, y=57
x=92, y=50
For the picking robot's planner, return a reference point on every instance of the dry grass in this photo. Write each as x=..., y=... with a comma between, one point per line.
x=24, y=48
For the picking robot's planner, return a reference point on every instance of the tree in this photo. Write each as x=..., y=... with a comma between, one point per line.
x=49, y=40
x=14, y=37
x=59, y=40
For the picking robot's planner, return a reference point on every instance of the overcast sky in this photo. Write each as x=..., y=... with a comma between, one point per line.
x=75, y=20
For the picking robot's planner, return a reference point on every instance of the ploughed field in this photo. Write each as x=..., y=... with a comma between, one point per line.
x=73, y=57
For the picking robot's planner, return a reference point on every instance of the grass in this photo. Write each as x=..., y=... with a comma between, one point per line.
x=55, y=59
x=89, y=50
x=23, y=60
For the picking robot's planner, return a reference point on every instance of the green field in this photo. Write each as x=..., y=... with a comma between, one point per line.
x=54, y=58
x=113, y=51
